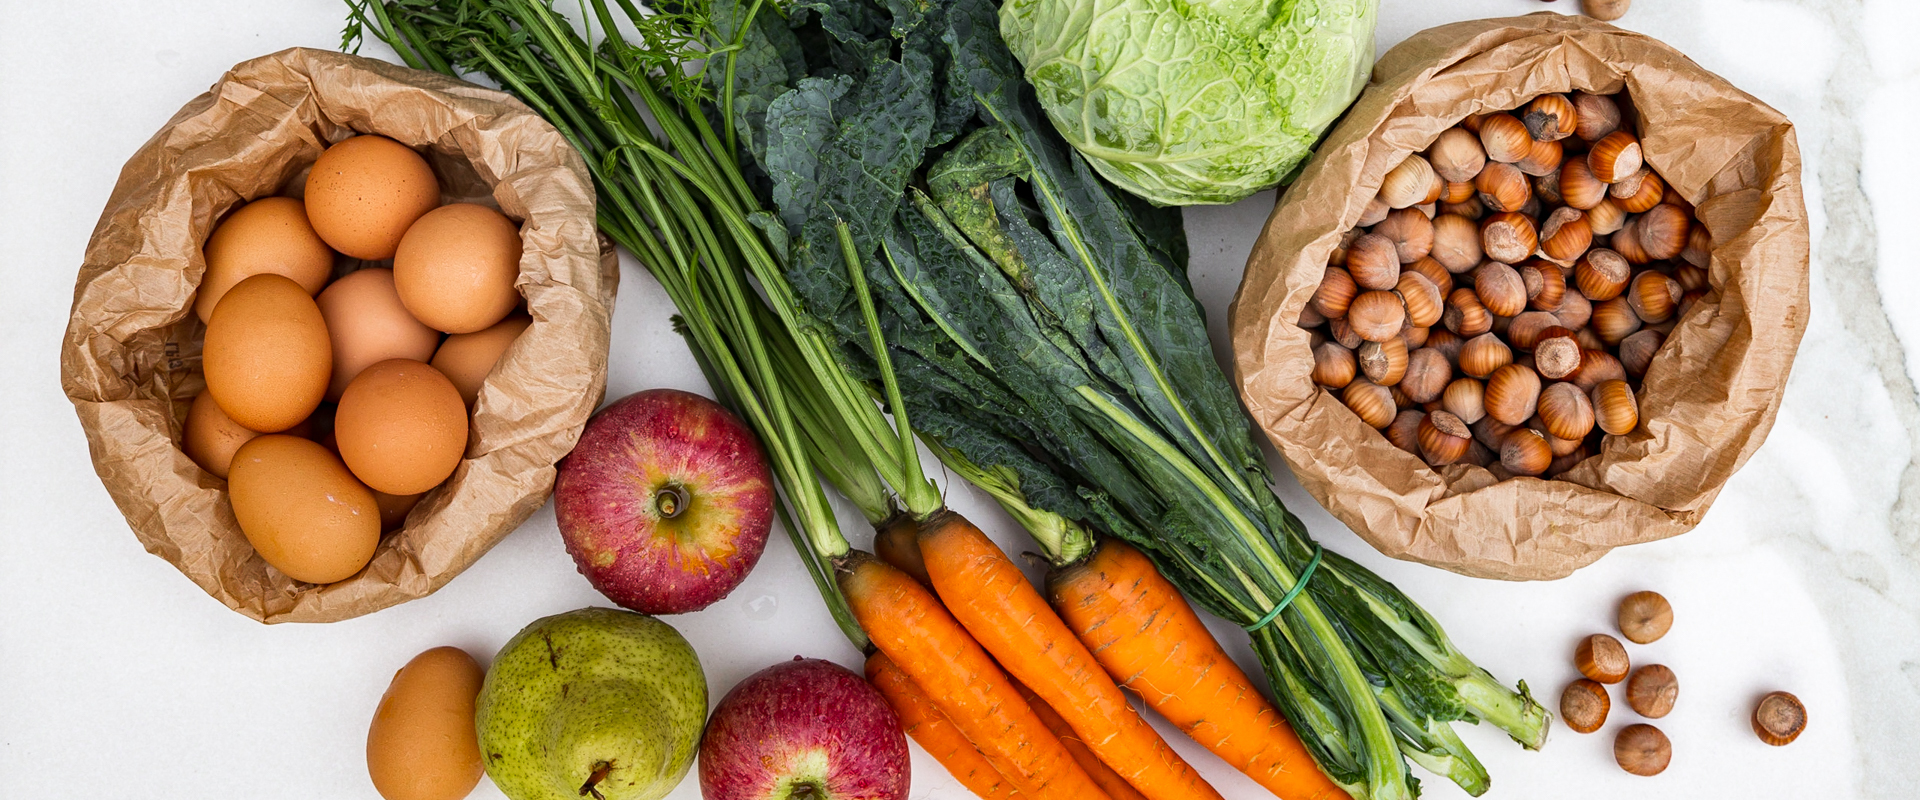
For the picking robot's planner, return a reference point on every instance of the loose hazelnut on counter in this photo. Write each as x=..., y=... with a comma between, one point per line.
x=1663, y=231
x=1410, y=231
x=1543, y=159
x=1617, y=412
x=1550, y=118
x=1565, y=234
x=1374, y=262
x=1404, y=430
x=1637, y=351
x=1644, y=195
x=1333, y=365
x=1525, y=452
x=1336, y=292
x=1642, y=749
x=1602, y=658
x=1369, y=401
x=1556, y=354
x=1502, y=187
x=1384, y=362
x=1456, y=242
x=1427, y=375
x=1463, y=399
x=1421, y=298
x=1407, y=184
x=1578, y=186
x=1606, y=11
x=1443, y=438
x=1566, y=412
x=1465, y=315
x=1483, y=354
x=1652, y=691
x=1595, y=115
x=1434, y=272
x=1602, y=274
x=1584, y=706
x=1377, y=316
x=1614, y=157
x=1512, y=395
x=1508, y=237
x=1699, y=250
x=1653, y=297
x=1779, y=718
x=1456, y=155
x=1614, y=320
x=1505, y=138
x=1644, y=617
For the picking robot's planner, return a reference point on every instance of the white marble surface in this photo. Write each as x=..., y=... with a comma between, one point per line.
x=118, y=678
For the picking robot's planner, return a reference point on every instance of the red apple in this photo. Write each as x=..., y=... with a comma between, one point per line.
x=803, y=729
x=665, y=503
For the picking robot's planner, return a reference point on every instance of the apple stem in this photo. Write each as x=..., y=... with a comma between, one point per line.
x=670, y=502
x=600, y=771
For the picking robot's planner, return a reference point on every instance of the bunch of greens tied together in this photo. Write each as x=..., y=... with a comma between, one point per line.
x=1038, y=322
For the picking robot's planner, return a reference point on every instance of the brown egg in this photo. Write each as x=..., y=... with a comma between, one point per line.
x=422, y=744
x=456, y=267
x=365, y=191
x=401, y=427
x=394, y=509
x=467, y=358
x=267, y=235
x=211, y=437
x=302, y=510
x=266, y=354
x=368, y=325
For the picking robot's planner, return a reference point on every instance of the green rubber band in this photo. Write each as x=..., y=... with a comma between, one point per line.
x=1287, y=600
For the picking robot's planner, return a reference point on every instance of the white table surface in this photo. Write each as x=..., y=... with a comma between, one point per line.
x=119, y=678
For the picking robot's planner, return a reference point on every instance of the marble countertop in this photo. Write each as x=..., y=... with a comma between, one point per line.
x=119, y=678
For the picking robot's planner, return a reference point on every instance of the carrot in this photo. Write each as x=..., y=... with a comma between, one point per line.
x=922, y=720
x=1150, y=640
x=987, y=592
x=895, y=542
x=1116, y=786
x=907, y=623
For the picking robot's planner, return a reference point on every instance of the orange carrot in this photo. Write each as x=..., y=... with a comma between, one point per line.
x=922, y=720
x=895, y=542
x=906, y=622
x=1116, y=786
x=1150, y=640
x=987, y=592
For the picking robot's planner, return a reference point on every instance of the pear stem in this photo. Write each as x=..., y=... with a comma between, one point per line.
x=600, y=771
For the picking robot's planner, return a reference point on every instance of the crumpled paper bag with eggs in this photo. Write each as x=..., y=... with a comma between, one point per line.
x=130, y=359
x=1709, y=397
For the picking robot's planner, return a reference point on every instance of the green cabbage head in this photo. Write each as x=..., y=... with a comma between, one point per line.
x=1186, y=102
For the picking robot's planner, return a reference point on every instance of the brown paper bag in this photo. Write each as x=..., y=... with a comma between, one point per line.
x=1708, y=399
x=130, y=360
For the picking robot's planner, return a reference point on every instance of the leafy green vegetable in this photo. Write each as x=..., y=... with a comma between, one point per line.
x=1187, y=102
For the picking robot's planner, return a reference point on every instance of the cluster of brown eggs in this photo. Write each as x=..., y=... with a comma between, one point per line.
x=1508, y=288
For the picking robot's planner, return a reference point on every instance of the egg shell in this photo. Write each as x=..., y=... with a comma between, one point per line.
x=364, y=192
x=456, y=268
x=422, y=744
x=266, y=354
x=302, y=510
x=267, y=235
x=467, y=358
x=211, y=437
x=401, y=427
x=367, y=325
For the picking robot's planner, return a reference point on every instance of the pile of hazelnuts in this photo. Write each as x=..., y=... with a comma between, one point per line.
x=1507, y=289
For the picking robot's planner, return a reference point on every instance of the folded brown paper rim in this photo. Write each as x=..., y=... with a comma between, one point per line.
x=1711, y=394
x=129, y=358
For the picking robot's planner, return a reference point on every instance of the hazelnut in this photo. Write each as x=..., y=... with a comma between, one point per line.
x=1434, y=271
x=1637, y=351
x=1602, y=274
x=1463, y=399
x=1608, y=11
x=1654, y=297
x=1338, y=257
x=1578, y=186
x=1508, y=237
x=1644, y=616
x=1779, y=718
x=1505, y=138
x=1615, y=156
x=1525, y=452
x=1602, y=658
x=1426, y=376
x=1410, y=231
x=1335, y=293
x=1407, y=184
x=1342, y=331
x=1617, y=412
x=1557, y=446
x=1525, y=329
x=1663, y=231
x=1574, y=312
x=1375, y=211
x=1566, y=412
x=1568, y=460
x=1550, y=118
x=1443, y=438
x=1595, y=116
x=1606, y=217
x=1512, y=395
x=1565, y=234
x=1691, y=278
x=1465, y=315
x=1652, y=691
x=1470, y=208
x=1458, y=191
x=1376, y=316
x=1369, y=401
x=1641, y=749
x=1547, y=187
x=1627, y=242
x=1699, y=249
x=1502, y=187
x=1447, y=343
x=1421, y=298
x=1500, y=289
x=1584, y=706
x=1556, y=354
x=1614, y=320
x=1416, y=337
x=1542, y=159
x=1644, y=195
x=1456, y=155
x=1492, y=432
x=1404, y=431
x=1456, y=242
x=1374, y=262
x=1588, y=339
x=1333, y=365
x=1483, y=354
x=1384, y=362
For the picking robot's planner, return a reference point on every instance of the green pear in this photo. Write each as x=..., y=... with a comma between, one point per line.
x=595, y=703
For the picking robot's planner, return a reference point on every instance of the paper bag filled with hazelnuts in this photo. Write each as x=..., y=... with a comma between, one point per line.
x=1536, y=297
x=320, y=536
